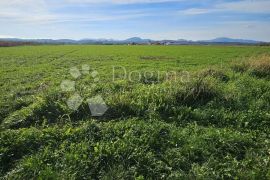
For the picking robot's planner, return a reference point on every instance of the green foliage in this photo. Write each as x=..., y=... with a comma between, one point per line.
x=134, y=148
x=212, y=123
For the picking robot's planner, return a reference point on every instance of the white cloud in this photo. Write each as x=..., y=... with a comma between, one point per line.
x=250, y=6
x=244, y=6
x=120, y=1
x=64, y=18
x=196, y=11
x=38, y=12
x=24, y=11
x=17, y=6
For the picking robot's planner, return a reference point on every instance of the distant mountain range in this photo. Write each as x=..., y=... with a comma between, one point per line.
x=229, y=40
x=133, y=40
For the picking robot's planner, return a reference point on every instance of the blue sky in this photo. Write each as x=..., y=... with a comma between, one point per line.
x=121, y=19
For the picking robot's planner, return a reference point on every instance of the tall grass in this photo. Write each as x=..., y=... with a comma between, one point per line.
x=258, y=66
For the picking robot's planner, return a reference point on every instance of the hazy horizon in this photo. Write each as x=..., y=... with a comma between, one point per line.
x=113, y=39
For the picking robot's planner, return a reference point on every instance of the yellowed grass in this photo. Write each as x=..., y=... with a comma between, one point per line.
x=258, y=66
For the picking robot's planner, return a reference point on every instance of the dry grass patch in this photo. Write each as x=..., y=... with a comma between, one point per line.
x=258, y=66
x=261, y=66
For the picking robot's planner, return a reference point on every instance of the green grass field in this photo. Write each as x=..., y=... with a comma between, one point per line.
x=174, y=112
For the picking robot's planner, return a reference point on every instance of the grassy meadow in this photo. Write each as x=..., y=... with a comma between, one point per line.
x=174, y=112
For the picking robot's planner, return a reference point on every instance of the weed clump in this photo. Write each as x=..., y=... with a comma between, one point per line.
x=218, y=74
x=240, y=67
x=198, y=92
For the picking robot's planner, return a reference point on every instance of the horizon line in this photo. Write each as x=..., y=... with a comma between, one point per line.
x=112, y=39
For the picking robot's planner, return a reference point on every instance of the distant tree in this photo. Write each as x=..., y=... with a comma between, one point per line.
x=11, y=43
